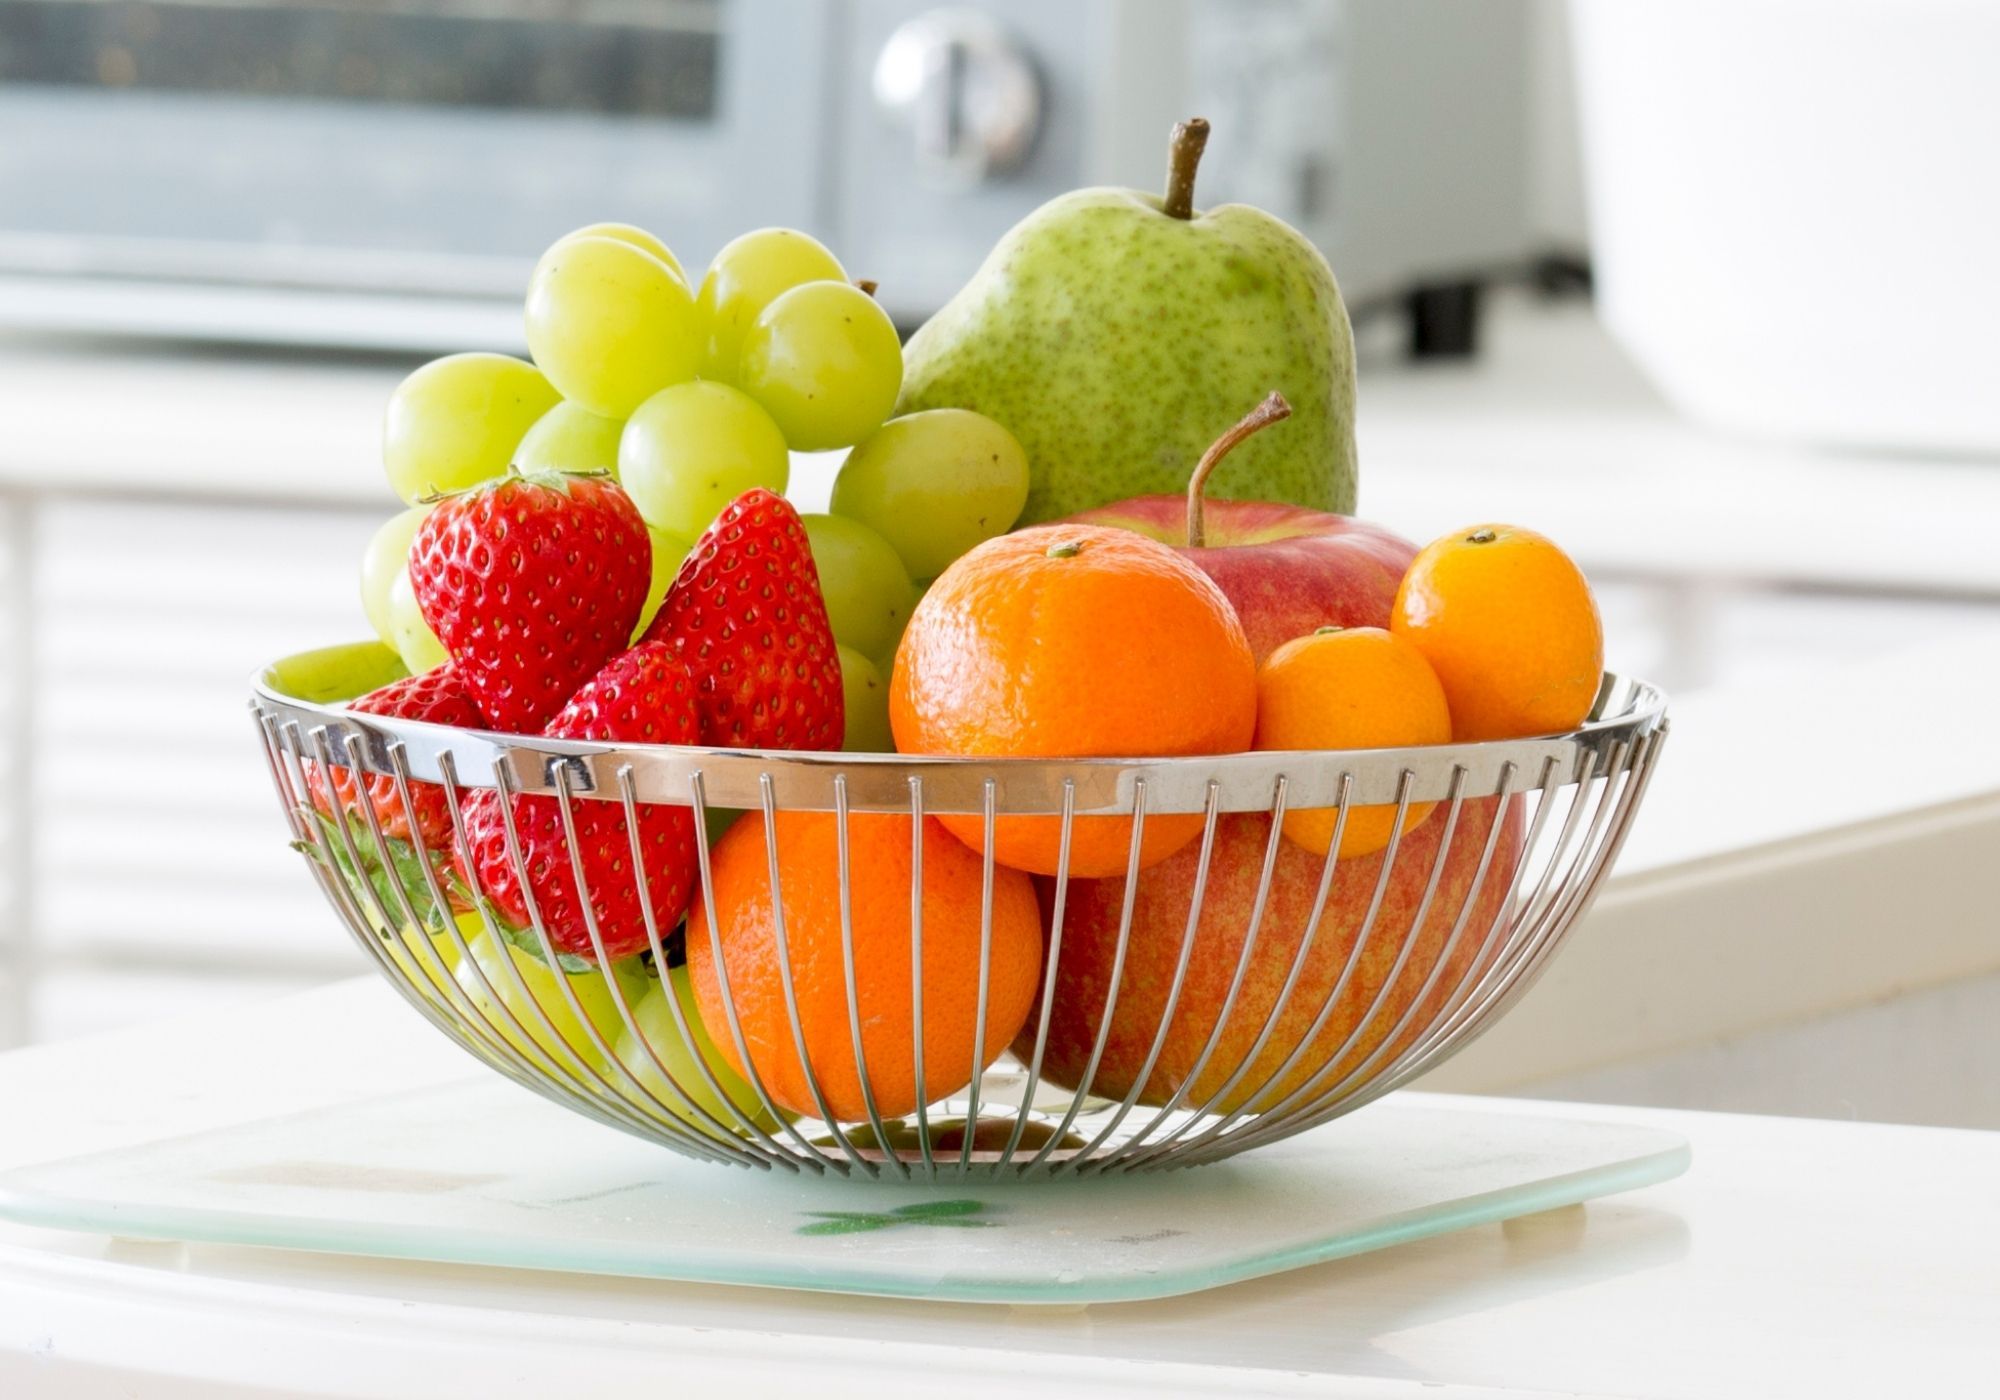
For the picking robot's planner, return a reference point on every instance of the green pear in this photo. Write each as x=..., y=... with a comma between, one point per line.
x=1117, y=332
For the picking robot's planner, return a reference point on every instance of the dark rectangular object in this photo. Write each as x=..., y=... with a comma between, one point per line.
x=362, y=53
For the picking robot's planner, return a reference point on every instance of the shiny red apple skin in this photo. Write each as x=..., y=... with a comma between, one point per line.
x=1286, y=569
x=1374, y=998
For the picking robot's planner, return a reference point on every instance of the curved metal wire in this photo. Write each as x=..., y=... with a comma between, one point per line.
x=404, y=907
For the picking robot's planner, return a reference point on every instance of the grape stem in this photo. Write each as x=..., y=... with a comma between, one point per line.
x=1272, y=410
x=867, y=285
x=1184, y=150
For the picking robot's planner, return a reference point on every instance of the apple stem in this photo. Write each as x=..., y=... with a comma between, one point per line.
x=1272, y=410
x=1183, y=157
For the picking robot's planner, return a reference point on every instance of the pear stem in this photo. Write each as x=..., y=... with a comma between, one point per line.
x=1272, y=410
x=1190, y=138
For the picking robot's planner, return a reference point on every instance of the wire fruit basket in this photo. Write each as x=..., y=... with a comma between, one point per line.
x=1291, y=989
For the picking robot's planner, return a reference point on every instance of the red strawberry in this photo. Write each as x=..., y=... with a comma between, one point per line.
x=532, y=583
x=435, y=697
x=746, y=616
x=645, y=696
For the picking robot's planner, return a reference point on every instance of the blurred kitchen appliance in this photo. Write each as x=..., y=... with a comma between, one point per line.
x=1792, y=207
x=347, y=173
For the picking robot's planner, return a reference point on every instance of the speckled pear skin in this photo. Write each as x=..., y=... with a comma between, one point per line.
x=1117, y=343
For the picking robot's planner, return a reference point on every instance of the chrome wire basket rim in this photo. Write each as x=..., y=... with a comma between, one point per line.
x=1626, y=710
x=1602, y=769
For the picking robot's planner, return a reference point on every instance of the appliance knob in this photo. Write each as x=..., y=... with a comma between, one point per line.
x=967, y=91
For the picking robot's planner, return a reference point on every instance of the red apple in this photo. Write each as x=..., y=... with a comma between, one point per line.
x=1082, y=970
x=1287, y=570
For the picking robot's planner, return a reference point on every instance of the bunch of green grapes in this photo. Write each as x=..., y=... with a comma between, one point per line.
x=689, y=394
x=911, y=497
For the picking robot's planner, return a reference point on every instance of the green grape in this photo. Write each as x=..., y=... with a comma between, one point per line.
x=690, y=450
x=653, y=1017
x=825, y=361
x=885, y=659
x=668, y=551
x=409, y=634
x=570, y=438
x=436, y=958
x=593, y=991
x=610, y=324
x=935, y=484
x=868, y=592
x=866, y=696
x=387, y=555
x=747, y=276
x=455, y=422
x=637, y=237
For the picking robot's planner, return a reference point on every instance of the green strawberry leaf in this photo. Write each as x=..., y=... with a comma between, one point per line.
x=526, y=940
x=957, y=1222
x=406, y=862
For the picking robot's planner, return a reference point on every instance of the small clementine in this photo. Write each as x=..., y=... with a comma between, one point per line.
x=745, y=924
x=1507, y=621
x=1349, y=688
x=1074, y=641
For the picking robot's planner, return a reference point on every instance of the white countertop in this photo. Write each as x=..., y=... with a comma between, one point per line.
x=1797, y=1258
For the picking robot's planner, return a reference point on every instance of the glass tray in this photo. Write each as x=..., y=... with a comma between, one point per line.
x=482, y=1172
